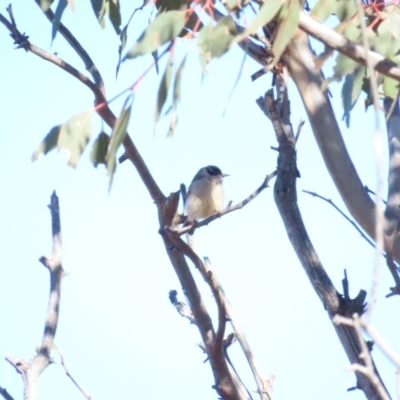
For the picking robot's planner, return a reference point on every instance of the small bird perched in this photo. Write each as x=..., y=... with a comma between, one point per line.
x=206, y=194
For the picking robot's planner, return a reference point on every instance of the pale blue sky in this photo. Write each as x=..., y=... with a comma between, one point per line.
x=120, y=336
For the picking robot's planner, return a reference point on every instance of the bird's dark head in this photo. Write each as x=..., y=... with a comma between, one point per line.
x=213, y=170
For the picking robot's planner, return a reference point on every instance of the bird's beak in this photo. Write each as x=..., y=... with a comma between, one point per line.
x=224, y=175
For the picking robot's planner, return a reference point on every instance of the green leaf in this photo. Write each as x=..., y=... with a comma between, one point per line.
x=164, y=87
x=343, y=9
x=117, y=137
x=99, y=149
x=267, y=11
x=164, y=28
x=61, y=6
x=394, y=24
x=75, y=135
x=344, y=66
x=48, y=143
x=390, y=87
x=214, y=41
x=99, y=8
x=176, y=97
x=113, y=11
x=155, y=56
x=123, y=37
x=351, y=90
x=287, y=28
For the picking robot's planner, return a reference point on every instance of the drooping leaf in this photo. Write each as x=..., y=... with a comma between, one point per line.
x=45, y=4
x=61, y=6
x=214, y=41
x=176, y=96
x=351, y=90
x=155, y=56
x=99, y=9
x=99, y=149
x=222, y=36
x=390, y=87
x=75, y=135
x=386, y=44
x=164, y=28
x=267, y=11
x=48, y=143
x=164, y=87
x=123, y=37
x=117, y=137
x=114, y=14
x=394, y=24
x=287, y=28
x=344, y=66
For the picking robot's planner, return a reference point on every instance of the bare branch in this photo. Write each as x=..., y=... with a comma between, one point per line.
x=286, y=200
x=5, y=394
x=183, y=309
x=368, y=369
x=343, y=215
x=31, y=370
x=82, y=53
x=71, y=377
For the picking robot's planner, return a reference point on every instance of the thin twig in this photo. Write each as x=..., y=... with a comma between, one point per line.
x=71, y=377
x=372, y=192
x=343, y=214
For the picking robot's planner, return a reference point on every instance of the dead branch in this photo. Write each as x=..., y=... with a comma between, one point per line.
x=31, y=370
x=286, y=200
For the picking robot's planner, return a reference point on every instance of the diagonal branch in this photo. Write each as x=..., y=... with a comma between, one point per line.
x=347, y=47
x=102, y=107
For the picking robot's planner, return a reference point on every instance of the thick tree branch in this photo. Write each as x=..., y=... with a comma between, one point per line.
x=286, y=200
x=5, y=394
x=308, y=79
x=31, y=370
x=347, y=47
x=224, y=383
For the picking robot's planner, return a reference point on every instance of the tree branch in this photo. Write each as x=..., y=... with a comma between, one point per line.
x=286, y=200
x=347, y=47
x=31, y=370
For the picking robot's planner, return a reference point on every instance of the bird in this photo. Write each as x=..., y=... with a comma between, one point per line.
x=205, y=196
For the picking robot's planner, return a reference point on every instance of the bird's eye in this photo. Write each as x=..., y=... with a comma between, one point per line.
x=213, y=170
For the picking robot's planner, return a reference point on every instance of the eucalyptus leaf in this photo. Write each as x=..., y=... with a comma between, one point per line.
x=48, y=143
x=75, y=135
x=164, y=87
x=61, y=6
x=117, y=137
x=164, y=28
x=99, y=149
x=287, y=29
